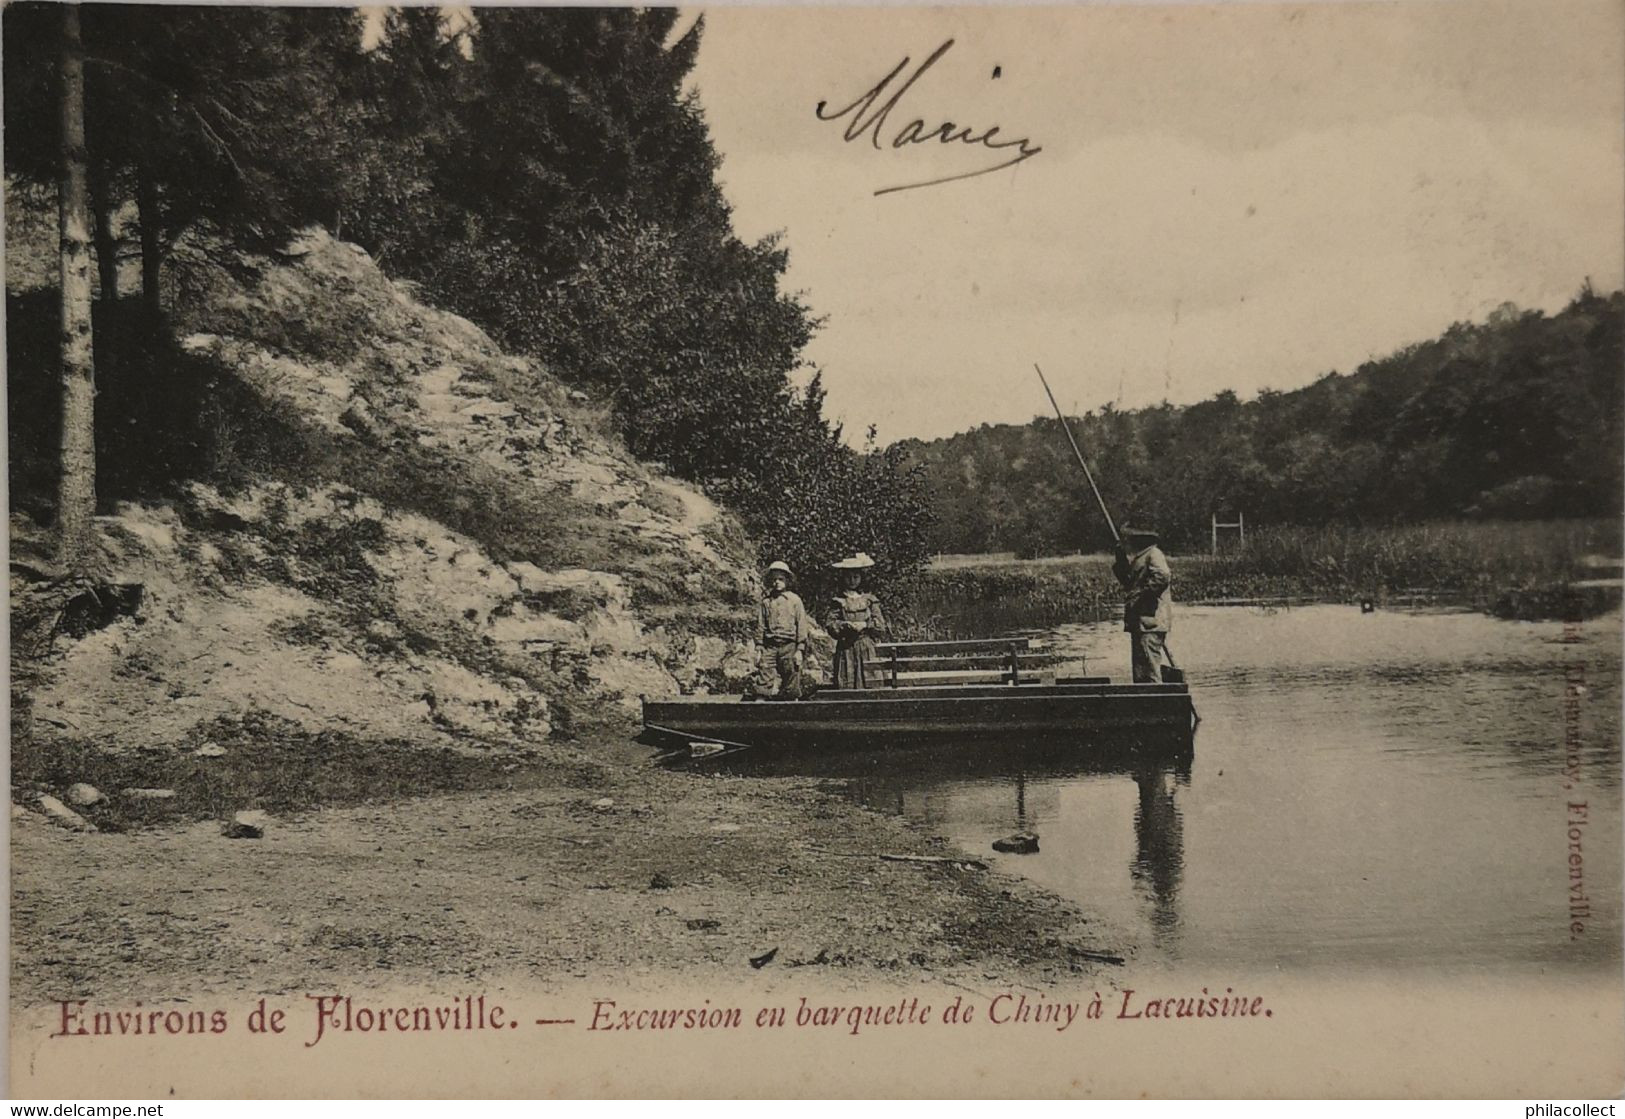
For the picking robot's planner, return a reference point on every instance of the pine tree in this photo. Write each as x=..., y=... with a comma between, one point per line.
x=76, y=501
x=403, y=132
x=230, y=116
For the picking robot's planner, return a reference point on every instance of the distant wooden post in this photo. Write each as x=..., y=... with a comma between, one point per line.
x=1239, y=524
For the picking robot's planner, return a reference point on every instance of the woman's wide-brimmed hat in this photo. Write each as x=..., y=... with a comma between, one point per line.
x=857, y=562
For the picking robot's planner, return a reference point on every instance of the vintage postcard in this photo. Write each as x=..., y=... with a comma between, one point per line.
x=898, y=551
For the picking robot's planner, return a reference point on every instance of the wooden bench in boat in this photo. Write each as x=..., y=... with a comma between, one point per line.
x=1060, y=685
x=1008, y=661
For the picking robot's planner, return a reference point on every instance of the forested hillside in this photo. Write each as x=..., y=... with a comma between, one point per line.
x=358, y=357
x=1518, y=417
x=546, y=172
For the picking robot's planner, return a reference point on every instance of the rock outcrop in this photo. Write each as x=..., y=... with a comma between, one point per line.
x=420, y=539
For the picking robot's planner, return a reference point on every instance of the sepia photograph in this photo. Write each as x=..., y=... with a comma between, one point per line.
x=765, y=551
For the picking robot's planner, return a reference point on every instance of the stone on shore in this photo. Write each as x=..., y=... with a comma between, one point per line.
x=1022, y=843
x=249, y=824
x=60, y=813
x=84, y=795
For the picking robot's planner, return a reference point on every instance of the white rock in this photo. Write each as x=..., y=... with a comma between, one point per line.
x=248, y=824
x=487, y=409
x=521, y=627
x=148, y=794
x=209, y=750
x=613, y=632
x=709, y=653
x=337, y=387
x=440, y=380
x=630, y=678
x=604, y=805
x=60, y=813
x=84, y=795
x=599, y=586
x=739, y=664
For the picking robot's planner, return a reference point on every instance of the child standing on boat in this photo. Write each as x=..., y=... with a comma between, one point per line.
x=782, y=631
x=853, y=620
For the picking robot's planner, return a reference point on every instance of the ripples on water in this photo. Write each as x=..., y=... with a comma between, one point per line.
x=1379, y=789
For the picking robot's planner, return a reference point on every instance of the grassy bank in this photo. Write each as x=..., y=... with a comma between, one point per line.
x=1527, y=569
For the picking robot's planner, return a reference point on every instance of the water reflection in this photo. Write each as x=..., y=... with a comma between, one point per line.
x=1159, y=856
x=942, y=761
x=981, y=791
x=1365, y=792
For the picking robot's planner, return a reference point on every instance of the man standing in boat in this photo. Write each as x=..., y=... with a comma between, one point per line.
x=1148, y=600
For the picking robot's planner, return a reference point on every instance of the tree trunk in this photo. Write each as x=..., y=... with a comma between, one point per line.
x=106, y=243
x=76, y=496
x=152, y=257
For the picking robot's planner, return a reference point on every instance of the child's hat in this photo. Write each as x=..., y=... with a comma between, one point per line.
x=779, y=565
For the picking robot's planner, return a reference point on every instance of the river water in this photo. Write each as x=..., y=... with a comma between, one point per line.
x=1384, y=790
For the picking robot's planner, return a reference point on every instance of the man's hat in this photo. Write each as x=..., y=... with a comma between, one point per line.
x=780, y=565
x=857, y=562
x=1140, y=530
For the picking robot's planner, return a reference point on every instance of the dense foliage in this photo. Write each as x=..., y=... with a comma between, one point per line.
x=234, y=116
x=1515, y=418
x=565, y=182
x=543, y=171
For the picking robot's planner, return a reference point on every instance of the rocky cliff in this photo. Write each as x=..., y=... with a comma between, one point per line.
x=399, y=533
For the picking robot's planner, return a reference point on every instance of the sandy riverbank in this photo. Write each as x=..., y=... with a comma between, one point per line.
x=542, y=881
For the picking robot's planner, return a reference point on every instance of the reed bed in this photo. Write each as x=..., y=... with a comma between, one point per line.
x=1525, y=569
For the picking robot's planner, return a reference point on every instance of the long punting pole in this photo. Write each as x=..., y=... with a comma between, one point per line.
x=1068, y=429
x=1180, y=678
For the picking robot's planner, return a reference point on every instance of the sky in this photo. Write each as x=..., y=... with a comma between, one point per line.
x=1238, y=196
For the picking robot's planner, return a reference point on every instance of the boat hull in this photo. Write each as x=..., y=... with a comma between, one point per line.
x=1070, y=712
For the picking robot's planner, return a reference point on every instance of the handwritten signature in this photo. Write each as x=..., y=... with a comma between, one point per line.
x=866, y=118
